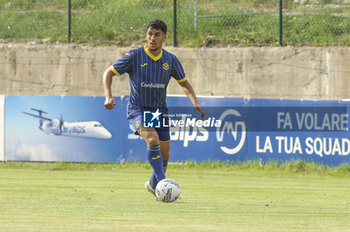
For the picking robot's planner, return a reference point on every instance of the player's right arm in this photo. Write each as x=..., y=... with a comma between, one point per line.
x=117, y=68
x=107, y=86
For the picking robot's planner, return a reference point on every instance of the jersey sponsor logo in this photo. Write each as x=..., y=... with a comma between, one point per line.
x=165, y=66
x=143, y=65
x=127, y=54
x=152, y=85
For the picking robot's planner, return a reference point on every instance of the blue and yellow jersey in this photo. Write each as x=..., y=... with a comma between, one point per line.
x=149, y=77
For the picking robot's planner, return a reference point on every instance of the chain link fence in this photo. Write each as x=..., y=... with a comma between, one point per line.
x=257, y=22
x=118, y=22
x=316, y=23
x=199, y=22
x=228, y=22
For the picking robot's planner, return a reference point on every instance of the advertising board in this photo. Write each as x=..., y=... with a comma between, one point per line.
x=55, y=128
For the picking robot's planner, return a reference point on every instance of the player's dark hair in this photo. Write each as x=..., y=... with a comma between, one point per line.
x=158, y=25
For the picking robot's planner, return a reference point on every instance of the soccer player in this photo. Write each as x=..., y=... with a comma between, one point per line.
x=150, y=69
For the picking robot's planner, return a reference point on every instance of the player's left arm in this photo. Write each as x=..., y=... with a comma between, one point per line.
x=188, y=90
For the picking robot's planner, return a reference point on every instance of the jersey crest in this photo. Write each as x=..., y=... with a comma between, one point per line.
x=165, y=66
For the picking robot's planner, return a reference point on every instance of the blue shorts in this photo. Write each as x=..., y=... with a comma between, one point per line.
x=136, y=120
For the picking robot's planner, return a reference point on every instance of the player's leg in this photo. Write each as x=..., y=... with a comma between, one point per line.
x=154, y=156
x=165, y=151
x=164, y=137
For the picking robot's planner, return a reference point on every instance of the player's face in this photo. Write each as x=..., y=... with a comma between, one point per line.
x=155, y=39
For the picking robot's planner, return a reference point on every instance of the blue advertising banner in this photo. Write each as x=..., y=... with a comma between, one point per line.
x=54, y=128
x=2, y=128
x=308, y=130
x=268, y=129
x=223, y=142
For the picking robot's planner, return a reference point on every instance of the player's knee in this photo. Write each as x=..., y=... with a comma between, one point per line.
x=152, y=140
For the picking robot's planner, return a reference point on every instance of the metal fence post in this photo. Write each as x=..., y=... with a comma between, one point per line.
x=175, y=21
x=280, y=23
x=69, y=20
x=195, y=15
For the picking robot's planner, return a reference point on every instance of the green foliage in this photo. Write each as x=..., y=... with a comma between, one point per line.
x=121, y=22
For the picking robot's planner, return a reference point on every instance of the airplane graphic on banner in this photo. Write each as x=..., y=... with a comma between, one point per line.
x=87, y=129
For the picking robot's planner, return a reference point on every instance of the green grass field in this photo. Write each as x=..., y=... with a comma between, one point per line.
x=111, y=197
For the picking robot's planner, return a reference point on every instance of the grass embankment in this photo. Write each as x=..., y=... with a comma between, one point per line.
x=298, y=167
x=241, y=23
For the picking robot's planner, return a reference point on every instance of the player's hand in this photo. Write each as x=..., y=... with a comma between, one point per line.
x=197, y=108
x=110, y=103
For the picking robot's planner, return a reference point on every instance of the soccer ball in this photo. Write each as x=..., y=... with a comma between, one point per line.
x=167, y=190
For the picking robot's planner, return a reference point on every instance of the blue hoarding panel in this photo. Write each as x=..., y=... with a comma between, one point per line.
x=266, y=129
x=54, y=128
x=225, y=143
x=308, y=130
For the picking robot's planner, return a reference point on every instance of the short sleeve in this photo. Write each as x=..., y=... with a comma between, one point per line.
x=123, y=65
x=178, y=72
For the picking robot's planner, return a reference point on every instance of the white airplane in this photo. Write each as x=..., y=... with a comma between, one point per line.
x=88, y=129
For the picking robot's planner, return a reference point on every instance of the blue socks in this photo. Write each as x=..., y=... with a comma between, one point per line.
x=153, y=180
x=156, y=161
